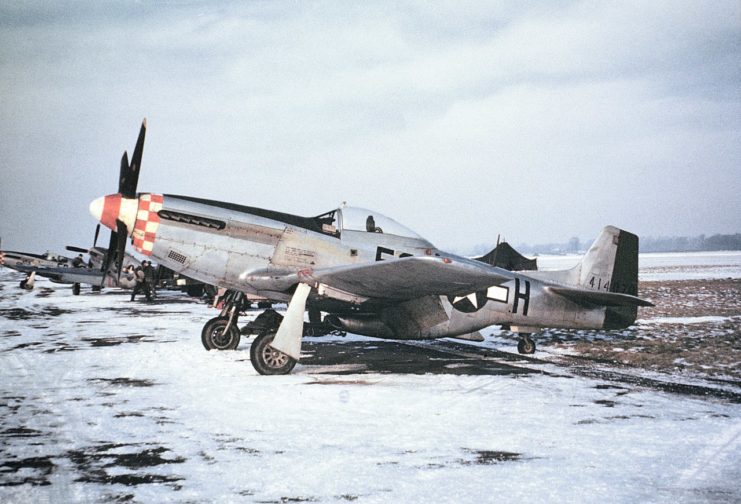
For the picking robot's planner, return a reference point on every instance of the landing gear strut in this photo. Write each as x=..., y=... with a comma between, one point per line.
x=216, y=336
x=28, y=282
x=526, y=345
x=222, y=333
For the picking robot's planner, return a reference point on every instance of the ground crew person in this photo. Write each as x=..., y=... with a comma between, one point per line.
x=140, y=283
x=148, y=279
x=77, y=262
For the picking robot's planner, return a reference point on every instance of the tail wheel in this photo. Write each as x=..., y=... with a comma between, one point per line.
x=214, y=337
x=526, y=345
x=268, y=361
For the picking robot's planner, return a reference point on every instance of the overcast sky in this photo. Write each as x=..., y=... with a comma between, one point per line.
x=461, y=120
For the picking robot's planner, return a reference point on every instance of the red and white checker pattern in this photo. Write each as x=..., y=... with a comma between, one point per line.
x=147, y=222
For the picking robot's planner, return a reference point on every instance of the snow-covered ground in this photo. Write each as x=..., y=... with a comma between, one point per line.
x=104, y=400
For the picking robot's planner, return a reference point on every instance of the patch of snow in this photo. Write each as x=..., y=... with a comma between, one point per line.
x=686, y=320
x=667, y=265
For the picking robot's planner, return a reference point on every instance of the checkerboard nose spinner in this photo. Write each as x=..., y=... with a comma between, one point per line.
x=139, y=216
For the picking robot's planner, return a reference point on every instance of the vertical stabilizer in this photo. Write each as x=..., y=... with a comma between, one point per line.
x=611, y=265
x=595, y=268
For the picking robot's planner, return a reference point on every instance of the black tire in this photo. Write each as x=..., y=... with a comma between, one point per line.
x=526, y=346
x=207, y=328
x=213, y=337
x=76, y=289
x=97, y=288
x=194, y=290
x=268, y=361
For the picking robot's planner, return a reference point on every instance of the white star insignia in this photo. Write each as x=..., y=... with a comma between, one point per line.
x=471, y=297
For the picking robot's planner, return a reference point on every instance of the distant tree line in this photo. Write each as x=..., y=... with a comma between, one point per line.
x=691, y=244
x=647, y=244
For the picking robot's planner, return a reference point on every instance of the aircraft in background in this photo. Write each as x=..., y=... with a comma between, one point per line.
x=27, y=262
x=76, y=271
x=369, y=274
x=65, y=270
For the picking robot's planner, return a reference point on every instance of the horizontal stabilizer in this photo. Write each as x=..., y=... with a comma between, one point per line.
x=590, y=297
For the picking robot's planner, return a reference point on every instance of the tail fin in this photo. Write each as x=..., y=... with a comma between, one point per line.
x=611, y=265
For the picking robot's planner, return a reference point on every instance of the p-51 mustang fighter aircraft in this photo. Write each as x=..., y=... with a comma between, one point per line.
x=370, y=274
x=28, y=263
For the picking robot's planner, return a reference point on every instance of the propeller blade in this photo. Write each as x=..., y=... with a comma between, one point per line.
x=77, y=249
x=110, y=252
x=131, y=180
x=122, y=233
x=123, y=172
x=128, y=179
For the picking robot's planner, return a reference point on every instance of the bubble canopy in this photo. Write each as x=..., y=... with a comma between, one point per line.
x=362, y=219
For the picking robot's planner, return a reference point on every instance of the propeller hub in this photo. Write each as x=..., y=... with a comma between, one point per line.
x=109, y=209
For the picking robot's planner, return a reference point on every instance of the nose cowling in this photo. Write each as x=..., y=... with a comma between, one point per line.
x=109, y=209
x=139, y=215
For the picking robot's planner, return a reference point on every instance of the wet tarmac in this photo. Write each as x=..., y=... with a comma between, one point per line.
x=354, y=357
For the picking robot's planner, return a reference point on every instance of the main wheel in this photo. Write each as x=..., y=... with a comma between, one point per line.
x=526, y=345
x=213, y=336
x=268, y=361
x=76, y=289
x=206, y=329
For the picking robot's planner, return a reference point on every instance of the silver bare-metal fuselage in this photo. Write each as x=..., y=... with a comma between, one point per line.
x=261, y=252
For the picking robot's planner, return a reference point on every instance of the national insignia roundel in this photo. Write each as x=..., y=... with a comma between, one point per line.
x=469, y=303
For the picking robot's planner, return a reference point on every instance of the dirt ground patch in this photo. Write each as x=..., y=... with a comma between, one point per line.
x=692, y=298
x=704, y=340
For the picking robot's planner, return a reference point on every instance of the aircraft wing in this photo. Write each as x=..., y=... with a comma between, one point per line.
x=590, y=297
x=411, y=277
x=65, y=275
